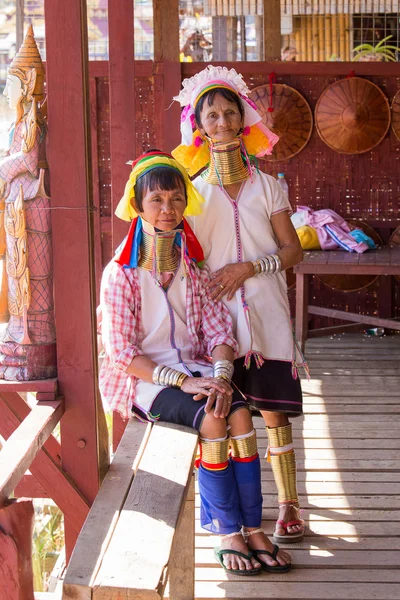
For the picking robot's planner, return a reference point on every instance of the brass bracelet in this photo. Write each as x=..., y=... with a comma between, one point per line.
x=181, y=379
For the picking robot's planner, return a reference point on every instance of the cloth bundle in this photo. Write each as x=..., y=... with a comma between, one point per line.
x=325, y=229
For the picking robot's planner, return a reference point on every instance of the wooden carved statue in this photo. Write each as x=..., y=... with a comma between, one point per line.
x=27, y=339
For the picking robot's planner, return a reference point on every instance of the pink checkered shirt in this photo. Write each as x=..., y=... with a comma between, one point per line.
x=209, y=324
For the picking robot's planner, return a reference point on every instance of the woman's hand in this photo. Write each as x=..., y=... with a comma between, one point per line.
x=217, y=391
x=229, y=279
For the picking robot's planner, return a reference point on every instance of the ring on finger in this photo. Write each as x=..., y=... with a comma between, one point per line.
x=221, y=286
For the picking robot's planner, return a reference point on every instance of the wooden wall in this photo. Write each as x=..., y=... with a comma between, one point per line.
x=364, y=187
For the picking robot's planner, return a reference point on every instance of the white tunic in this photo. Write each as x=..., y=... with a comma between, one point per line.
x=166, y=339
x=238, y=231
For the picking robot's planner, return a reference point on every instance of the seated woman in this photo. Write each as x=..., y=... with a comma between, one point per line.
x=158, y=327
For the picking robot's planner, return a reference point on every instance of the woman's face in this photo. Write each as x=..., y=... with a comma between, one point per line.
x=222, y=120
x=164, y=208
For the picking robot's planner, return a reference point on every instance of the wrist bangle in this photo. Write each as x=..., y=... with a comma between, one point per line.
x=256, y=266
x=223, y=369
x=181, y=379
x=156, y=374
x=278, y=263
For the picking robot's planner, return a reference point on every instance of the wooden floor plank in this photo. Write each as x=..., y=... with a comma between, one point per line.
x=313, y=542
x=356, y=530
x=357, y=385
x=350, y=515
x=337, y=503
x=335, y=453
x=347, y=559
x=317, y=370
x=304, y=575
x=353, y=409
x=381, y=401
x=343, y=477
x=291, y=591
x=353, y=340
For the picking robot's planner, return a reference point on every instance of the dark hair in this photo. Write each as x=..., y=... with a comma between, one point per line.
x=161, y=178
x=227, y=94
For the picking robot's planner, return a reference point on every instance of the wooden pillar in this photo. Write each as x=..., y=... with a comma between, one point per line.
x=166, y=51
x=74, y=282
x=19, y=17
x=16, y=531
x=122, y=121
x=272, y=30
x=122, y=105
x=301, y=324
x=259, y=30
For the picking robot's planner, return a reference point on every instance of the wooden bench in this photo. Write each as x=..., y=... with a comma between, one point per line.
x=140, y=529
x=384, y=261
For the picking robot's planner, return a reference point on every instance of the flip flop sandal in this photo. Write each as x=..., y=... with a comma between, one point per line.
x=270, y=568
x=218, y=553
x=289, y=538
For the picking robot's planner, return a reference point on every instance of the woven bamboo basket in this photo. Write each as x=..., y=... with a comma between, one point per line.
x=291, y=118
x=396, y=115
x=352, y=116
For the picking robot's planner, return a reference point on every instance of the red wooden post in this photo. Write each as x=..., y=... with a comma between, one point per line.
x=70, y=168
x=16, y=530
x=96, y=183
x=122, y=104
x=122, y=122
x=166, y=51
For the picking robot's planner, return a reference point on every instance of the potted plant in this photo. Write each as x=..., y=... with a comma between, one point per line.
x=382, y=52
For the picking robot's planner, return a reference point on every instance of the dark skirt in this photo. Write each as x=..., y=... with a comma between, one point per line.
x=174, y=406
x=271, y=387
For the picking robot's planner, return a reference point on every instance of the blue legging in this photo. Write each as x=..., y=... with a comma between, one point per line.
x=231, y=498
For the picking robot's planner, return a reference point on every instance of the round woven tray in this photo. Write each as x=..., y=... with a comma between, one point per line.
x=353, y=283
x=352, y=116
x=291, y=118
x=395, y=241
x=396, y=115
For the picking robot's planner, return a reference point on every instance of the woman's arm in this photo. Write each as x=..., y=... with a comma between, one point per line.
x=231, y=277
x=290, y=251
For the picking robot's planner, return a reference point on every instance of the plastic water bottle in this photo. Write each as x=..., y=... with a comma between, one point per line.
x=283, y=183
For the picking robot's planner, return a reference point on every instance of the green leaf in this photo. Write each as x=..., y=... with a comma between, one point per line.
x=363, y=47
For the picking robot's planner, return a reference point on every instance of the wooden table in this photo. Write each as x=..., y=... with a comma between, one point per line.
x=384, y=261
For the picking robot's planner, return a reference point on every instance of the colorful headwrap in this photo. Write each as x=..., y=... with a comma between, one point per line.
x=194, y=152
x=142, y=165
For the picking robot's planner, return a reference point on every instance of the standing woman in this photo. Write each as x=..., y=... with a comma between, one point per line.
x=249, y=242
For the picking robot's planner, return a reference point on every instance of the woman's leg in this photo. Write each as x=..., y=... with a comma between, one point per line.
x=247, y=470
x=281, y=455
x=220, y=508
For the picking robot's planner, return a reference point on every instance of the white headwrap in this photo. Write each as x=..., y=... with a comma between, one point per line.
x=217, y=77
